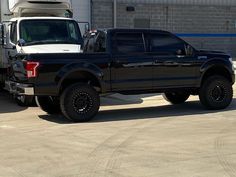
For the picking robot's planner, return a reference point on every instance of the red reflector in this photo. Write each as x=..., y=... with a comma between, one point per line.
x=31, y=69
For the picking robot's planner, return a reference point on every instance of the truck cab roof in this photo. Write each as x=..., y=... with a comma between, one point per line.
x=124, y=30
x=134, y=30
x=40, y=18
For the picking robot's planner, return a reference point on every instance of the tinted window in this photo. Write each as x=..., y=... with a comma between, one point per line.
x=128, y=43
x=13, y=34
x=167, y=44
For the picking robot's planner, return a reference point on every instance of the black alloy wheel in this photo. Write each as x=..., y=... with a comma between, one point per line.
x=80, y=102
x=216, y=92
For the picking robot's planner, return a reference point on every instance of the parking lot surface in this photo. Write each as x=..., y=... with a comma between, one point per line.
x=142, y=136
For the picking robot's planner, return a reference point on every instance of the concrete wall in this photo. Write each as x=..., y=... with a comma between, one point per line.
x=174, y=18
x=81, y=12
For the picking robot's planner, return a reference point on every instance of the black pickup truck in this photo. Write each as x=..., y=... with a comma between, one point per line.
x=127, y=61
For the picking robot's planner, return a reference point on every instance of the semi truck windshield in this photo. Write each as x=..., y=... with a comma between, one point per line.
x=36, y=32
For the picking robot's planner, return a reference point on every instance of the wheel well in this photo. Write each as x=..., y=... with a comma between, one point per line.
x=81, y=77
x=217, y=70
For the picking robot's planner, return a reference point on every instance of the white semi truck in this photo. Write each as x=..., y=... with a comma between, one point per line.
x=35, y=26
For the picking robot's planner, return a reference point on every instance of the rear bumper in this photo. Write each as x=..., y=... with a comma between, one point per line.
x=19, y=89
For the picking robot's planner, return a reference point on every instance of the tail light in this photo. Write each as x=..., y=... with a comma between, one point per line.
x=31, y=69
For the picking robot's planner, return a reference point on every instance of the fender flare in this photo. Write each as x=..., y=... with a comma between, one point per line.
x=77, y=67
x=215, y=62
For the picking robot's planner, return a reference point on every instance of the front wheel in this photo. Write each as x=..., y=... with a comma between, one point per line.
x=216, y=93
x=48, y=104
x=176, y=97
x=80, y=102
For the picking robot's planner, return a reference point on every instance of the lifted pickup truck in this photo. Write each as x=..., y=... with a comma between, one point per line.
x=127, y=61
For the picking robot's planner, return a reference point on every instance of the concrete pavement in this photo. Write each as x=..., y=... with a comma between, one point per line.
x=142, y=136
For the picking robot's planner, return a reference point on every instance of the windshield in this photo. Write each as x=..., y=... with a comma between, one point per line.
x=35, y=32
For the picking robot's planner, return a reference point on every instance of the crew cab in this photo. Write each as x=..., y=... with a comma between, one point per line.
x=127, y=61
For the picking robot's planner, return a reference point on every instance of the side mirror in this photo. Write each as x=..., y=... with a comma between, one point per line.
x=2, y=35
x=189, y=50
x=21, y=42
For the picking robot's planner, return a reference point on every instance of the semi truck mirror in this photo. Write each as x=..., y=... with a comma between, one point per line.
x=188, y=50
x=86, y=26
x=21, y=42
x=2, y=35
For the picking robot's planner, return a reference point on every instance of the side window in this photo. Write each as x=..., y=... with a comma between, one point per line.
x=128, y=43
x=167, y=44
x=13, y=33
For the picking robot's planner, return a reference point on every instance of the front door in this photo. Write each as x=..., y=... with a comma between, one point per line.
x=173, y=65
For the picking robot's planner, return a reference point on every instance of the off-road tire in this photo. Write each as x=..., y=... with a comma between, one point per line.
x=48, y=104
x=216, y=93
x=176, y=97
x=80, y=102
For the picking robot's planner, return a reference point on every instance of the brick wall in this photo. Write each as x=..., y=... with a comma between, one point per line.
x=174, y=18
x=102, y=14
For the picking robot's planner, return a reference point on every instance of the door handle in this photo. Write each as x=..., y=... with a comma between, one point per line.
x=180, y=56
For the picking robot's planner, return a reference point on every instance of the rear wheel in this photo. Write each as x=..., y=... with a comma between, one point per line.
x=80, y=102
x=48, y=104
x=176, y=97
x=216, y=92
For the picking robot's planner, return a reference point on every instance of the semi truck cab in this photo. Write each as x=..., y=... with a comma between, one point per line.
x=42, y=35
x=42, y=26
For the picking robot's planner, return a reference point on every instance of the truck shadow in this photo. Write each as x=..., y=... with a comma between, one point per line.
x=188, y=108
x=7, y=103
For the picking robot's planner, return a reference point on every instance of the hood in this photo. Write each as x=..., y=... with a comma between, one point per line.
x=212, y=52
x=50, y=48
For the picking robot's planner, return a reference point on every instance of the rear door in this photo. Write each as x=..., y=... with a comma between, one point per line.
x=173, y=67
x=132, y=66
